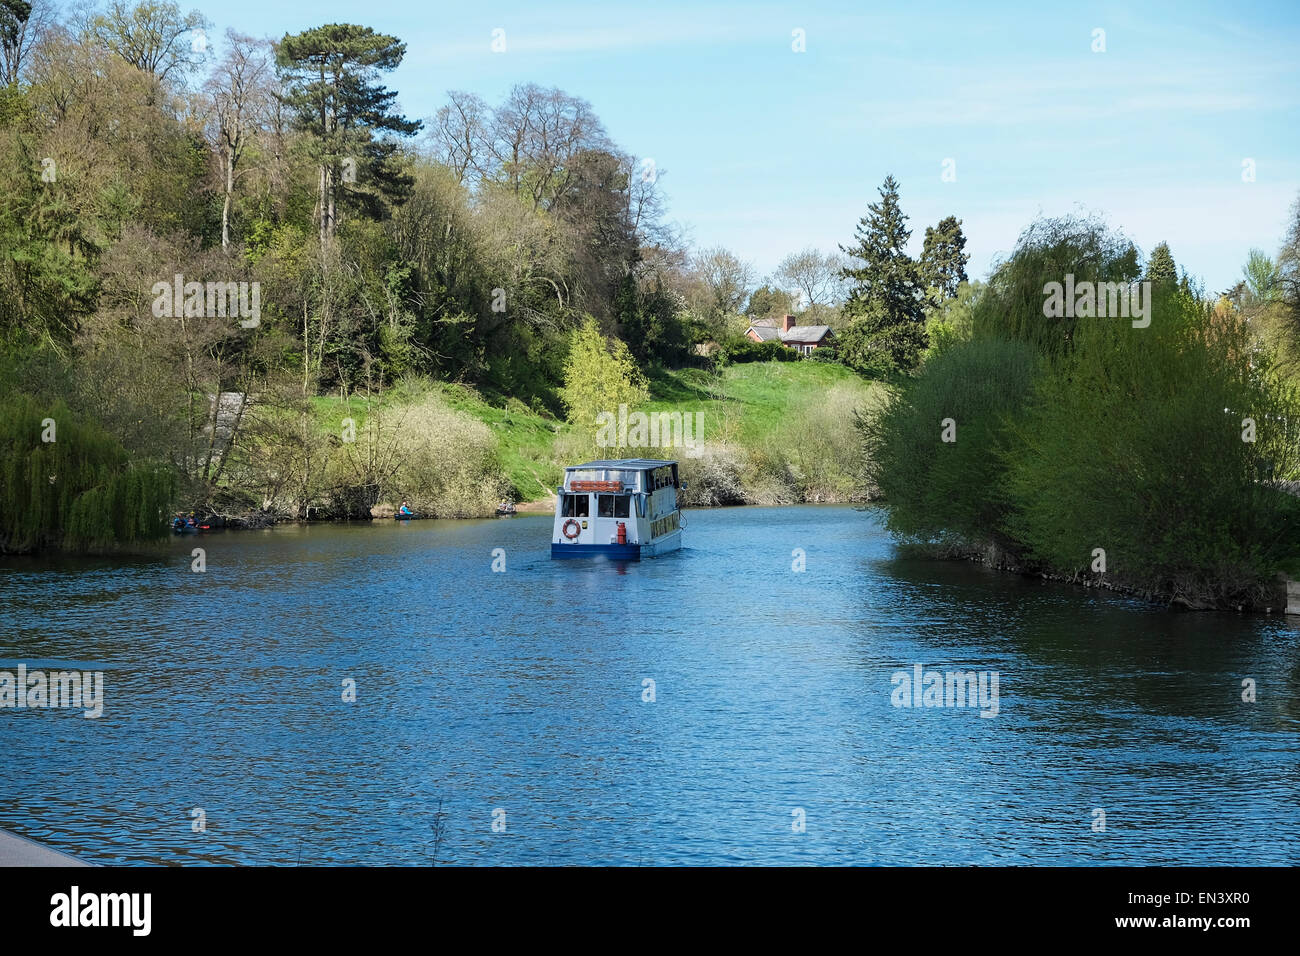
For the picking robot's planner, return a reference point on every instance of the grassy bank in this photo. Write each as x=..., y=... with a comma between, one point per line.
x=775, y=432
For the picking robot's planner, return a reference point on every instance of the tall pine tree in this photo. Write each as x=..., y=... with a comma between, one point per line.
x=886, y=317
x=332, y=77
x=943, y=260
x=1161, y=267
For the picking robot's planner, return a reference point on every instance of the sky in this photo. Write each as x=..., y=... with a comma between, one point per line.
x=1178, y=122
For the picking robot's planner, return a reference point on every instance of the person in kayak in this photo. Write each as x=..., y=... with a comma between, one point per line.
x=404, y=510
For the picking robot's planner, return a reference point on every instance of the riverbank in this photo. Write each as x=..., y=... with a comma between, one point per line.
x=1279, y=596
x=20, y=851
x=764, y=433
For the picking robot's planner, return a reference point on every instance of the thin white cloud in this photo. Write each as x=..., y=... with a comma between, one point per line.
x=639, y=34
x=1042, y=95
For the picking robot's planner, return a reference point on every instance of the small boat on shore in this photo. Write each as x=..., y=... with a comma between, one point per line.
x=506, y=509
x=625, y=510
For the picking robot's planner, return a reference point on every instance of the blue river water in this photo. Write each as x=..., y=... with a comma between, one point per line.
x=714, y=706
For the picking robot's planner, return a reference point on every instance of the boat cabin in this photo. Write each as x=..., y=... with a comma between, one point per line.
x=625, y=509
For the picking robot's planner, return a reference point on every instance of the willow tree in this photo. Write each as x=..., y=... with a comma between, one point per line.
x=64, y=482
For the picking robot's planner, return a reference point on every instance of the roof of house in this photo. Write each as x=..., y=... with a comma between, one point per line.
x=806, y=333
x=766, y=333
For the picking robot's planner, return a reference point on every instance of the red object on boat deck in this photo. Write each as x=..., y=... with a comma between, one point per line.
x=622, y=533
x=595, y=486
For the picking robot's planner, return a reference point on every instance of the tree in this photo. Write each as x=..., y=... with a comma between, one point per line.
x=460, y=132
x=96, y=496
x=814, y=274
x=1284, y=313
x=1161, y=267
x=1047, y=251
x=726, y=278
x=331, y=73
x=1262, y=278
x=651, y=321
x=767, y=301
x=884, y=300
x=238, y=96
x=943, y=260
x=151, y=36
x=594, y=209
x=531, y=144
x=953, y=320
x=535, y=136
x=1126, y=443
x=1288, y=264
x=599, y=376
x=21, y=26
x=14, y=15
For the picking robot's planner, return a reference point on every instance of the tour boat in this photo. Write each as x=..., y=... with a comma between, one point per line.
x=625, y=510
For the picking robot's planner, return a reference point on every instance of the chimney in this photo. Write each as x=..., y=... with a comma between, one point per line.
x=787, y=323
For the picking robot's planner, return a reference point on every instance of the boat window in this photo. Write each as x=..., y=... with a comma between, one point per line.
x=574, y=506
x=612, y=506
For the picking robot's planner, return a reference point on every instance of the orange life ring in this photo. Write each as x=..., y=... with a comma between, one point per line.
x=577, y=529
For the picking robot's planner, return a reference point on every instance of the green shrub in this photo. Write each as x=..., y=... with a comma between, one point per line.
x=872, y=348
x=713, y=477
x=936, y=489
x=1134, y=444
x=740, y=348
x=819, y=444
x=446, y=462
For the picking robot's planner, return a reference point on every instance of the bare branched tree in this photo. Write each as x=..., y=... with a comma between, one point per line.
x=816, y=275
x=21, y=26
x=727, y=278
x=459, y=132
x=152, y=36
x=238, y=96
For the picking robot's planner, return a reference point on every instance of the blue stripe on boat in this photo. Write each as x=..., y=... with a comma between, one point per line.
x=615, y=552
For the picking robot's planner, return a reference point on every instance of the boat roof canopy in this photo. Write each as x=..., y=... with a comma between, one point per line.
x=630, y=463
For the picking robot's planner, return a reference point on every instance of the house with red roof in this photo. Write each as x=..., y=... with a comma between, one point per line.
x=802, y=338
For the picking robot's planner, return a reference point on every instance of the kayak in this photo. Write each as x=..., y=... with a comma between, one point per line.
x=401, y=517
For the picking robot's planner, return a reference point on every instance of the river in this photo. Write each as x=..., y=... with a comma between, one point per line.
x=506, y=717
